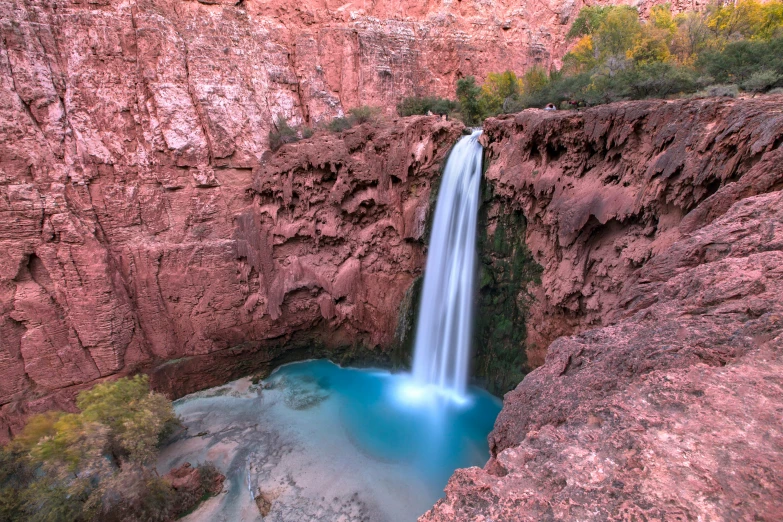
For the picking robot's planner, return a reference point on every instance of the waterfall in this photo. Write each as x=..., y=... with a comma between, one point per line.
x=442, y=350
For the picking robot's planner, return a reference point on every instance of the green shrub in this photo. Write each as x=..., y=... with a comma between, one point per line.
x=363, y=114
x=339, y=125
x=95, y=465
x=282, y=133
x=423, y=105
x=656, y=80
x=740, y=60
x=776, y=90
x=730, y=91
x=760, y=81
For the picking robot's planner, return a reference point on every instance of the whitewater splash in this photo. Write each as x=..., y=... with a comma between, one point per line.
x=442, y=351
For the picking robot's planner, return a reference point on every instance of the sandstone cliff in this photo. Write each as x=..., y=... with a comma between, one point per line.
x=607, y=190
x=663, y=223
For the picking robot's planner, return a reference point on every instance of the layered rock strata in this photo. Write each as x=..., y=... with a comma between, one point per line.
x=663, y=222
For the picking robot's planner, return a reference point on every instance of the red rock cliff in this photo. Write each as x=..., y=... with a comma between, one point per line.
x=663, y=223
x=218, y=269
x=206, y=80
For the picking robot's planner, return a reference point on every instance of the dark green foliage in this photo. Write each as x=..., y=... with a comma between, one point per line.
x=356, y=116
x=718, y=90
x=423, y=105
x=760, y=81
x=590, y=18
x=363, y=114
x=405, y=332
x=282, y=133
x=15, y=474
x=339, y=125
x=468, y=93
x=505, y=269
x=739, y=61
x=652, y=80
x=208, y=473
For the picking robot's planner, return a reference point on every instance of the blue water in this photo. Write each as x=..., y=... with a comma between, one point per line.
x=388, y=419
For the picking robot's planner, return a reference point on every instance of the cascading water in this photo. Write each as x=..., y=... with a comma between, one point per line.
x=442, y=350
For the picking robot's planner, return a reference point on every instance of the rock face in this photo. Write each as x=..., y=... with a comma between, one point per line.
x=207, y=79
x=606, y=190
x=217, y=269
x=663, y=222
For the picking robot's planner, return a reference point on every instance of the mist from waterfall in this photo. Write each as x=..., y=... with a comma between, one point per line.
x=443, y=333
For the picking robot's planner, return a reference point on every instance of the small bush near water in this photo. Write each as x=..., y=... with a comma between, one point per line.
x=94, y=465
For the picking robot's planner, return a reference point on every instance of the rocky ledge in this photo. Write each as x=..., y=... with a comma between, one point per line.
x=663, y=222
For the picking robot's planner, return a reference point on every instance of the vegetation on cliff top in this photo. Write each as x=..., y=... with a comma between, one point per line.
x=283, y=132
x=616, y=55
x=97, y=464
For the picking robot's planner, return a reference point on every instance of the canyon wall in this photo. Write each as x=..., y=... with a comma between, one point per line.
x=659, y=228
x=201, y=274
x=209, y=78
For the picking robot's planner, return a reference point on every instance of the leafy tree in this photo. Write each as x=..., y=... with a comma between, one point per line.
x=738, y=61
x=535, y=79
x=619, y=57
x=661, y=18
x=651, y=46
x=762, y=80
x=93, y=465
x=691, y=38
x=468, y=94
x=135, y=417
x=497, y=88
x=618, y=31
x=588, y=20
x=582, y=57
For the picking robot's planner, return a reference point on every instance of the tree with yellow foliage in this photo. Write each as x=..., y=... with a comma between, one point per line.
x=496, y=89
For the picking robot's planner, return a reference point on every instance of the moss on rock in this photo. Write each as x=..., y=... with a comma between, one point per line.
x=506, y=268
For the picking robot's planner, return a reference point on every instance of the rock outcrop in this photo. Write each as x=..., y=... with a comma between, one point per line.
x=214, y=270
x=606, y=190
x=662, y=222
